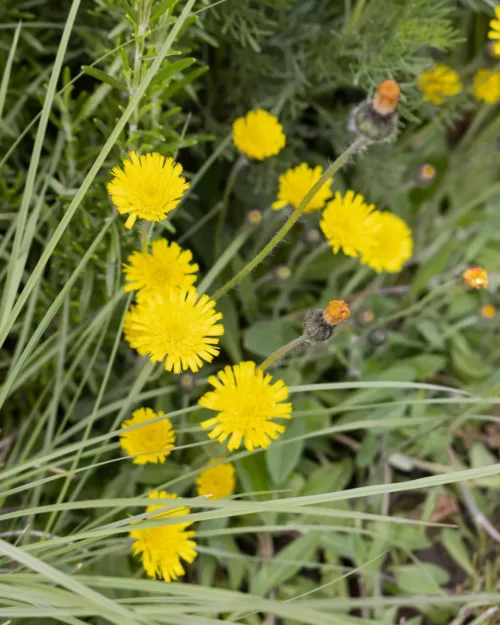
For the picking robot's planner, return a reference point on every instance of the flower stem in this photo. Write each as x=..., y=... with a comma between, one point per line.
x=279, y=353
x=355, y=147
x=231, y=180
x=145, y=236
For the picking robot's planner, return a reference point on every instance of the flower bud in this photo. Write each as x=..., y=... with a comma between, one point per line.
x=186, y=383
x=488, y=311
x=254, y=217
x=426, y=175
x=319, y=325
x=475, y=277
x=378, y=336
x=312, y=237
x=377, y=120
x=283, y=273
x=366, y=317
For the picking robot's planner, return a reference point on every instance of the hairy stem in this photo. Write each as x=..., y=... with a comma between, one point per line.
x=355, y=147
x=279, y=353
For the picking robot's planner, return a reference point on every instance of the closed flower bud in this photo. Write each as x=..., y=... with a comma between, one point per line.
x=283, y=273
x=488, y=311
x=366, y=317
x=312, y=237
x=377, y=120
x=378, y=336
x=476, y=278
x=186, y=382
x=319, y=325
x=254, y=217
x=426, y=175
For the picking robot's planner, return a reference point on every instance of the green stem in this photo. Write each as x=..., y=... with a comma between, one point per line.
x=238, y=165
x=145, y=236
x=355, y=147
x=279, y=353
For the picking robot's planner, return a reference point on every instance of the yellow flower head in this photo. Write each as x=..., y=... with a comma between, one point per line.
x=216, y=482
x=175, y=326
x=258, y=135
x=246, y=403
x=476, y=278
x=494, y=33
x=169, y=266
x=148, y=187
x=296, y=182
x=150, y=443
x=393, y=243
x=163, y=547
x=439, y=83
x=344, y=223
x=487, y=86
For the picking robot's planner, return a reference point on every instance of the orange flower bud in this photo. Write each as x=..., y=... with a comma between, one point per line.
x=475, y=277
x=336, y=311
x=387, y=97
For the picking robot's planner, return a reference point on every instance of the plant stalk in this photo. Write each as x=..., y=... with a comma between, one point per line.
x=279, y=353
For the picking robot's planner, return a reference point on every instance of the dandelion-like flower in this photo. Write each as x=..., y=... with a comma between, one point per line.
x=168, y=266
x=150, y=443
x=494, y=33
x=176, y=327
x=439, y=83
x=148, y=187
x=393, y=243
x=259, y=134
x=487, y=86
x=296, y=182
x=246, y=402
x=488, y=311
x=320, y=324
x=163, y=547
x=216, y=482
x=344, y=223
x=476, y=278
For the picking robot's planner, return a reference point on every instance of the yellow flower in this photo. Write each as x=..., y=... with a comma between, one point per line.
x=488, y=311
x=216, y=482
x=163, y=547
x=258, y=135
x=294, y=185
x=476, y=278
x=148, y=187
x=439, y=83
x=494, y=33
x=487, y=86
x=175, y=326
x=150, y=443
x=337, y=310
x=246, y=403
x=393, y=243
x=169, y=266
x=344, y=223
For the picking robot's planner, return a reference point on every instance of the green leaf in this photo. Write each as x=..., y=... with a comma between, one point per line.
x=424, y=578
x=282, y=460
x=457, y=550
x=330, y=478
x=103, y=77
x=171, y=69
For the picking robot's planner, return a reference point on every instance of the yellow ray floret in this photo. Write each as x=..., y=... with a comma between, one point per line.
x=294, y=185
x=258, y=135
x=440, y=83
x=148, y=187
x=161, y=548
x=176, y=327
x=246, y=401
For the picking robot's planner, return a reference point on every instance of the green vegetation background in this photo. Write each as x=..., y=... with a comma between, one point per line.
x=363, y=420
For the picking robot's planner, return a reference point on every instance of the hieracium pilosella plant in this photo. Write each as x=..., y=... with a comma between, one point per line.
x=249, y=342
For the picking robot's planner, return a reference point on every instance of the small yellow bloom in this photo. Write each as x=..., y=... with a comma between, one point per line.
x=148, y=187
x=488, y=311
x=494, y=33
x=150, y=443
x=393, y=243
x=163, y=547
x=259, y=134
x=216, y=482
x=168, y=266
x=176, y=327
x=344, y=223
x=487, y=86
x=476, y=278
x=439, y=83
x=246, y=403
x=294, y=185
